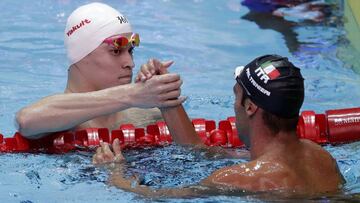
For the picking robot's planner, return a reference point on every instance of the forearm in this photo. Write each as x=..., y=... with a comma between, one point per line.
x=180, y=126
x=65, y=111
x=183, y=132
x=118, y=179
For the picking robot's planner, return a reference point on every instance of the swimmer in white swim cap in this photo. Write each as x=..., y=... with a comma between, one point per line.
x=99, y=43
x=89, y=25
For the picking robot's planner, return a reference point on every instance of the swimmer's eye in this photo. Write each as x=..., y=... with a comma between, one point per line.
x=116, y=52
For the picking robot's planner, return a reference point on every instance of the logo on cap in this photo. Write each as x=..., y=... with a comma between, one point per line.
x=267, y=72
x=78, y=26
x=122, y=19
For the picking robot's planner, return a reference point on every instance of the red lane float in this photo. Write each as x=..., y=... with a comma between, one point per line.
x=335, y=126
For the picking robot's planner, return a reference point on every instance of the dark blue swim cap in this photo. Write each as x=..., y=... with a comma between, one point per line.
x=274, y=84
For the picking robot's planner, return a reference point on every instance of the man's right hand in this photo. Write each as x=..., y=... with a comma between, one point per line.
x=159, y=91
x=75, y=108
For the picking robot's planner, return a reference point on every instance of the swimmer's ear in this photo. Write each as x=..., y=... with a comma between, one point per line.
x=250, y=107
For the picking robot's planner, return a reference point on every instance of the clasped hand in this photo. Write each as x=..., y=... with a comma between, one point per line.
x=157, y=87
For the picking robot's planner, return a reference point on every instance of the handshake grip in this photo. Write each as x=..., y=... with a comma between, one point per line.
x=333, y=127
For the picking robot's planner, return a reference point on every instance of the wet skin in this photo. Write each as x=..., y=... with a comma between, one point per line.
x=279, y=162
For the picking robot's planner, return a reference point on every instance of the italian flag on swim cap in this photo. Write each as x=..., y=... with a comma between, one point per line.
x=270, y=70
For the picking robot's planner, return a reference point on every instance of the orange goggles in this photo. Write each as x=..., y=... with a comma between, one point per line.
x=123, y=42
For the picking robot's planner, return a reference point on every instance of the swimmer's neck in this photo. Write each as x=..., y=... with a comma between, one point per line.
x=76, y=82
x=267, y=143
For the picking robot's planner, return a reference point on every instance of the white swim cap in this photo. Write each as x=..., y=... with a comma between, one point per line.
x=89, y=25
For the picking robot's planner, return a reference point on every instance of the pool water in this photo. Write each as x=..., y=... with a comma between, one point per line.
x=206, y=39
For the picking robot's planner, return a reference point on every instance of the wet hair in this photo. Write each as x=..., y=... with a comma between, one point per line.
x=277, y=124
x=273, y=122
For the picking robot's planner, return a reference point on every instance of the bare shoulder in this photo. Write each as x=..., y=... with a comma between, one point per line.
x=321, y=169
x=314, y=150
x=257, y=175
x=317, y=157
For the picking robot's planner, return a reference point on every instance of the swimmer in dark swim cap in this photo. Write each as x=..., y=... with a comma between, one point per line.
x=269, y=92
x=275, y=85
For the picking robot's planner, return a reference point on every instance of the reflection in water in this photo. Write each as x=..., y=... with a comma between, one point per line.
x=268, y=21
x=264, y=14
x=315, y=11
x=349, y=49
x=312, y=43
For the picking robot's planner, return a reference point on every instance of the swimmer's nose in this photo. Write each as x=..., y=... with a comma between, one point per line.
x=128, y=62
x=128, y=67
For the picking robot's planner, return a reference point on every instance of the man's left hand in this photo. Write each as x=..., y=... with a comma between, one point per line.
x=105, y=155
